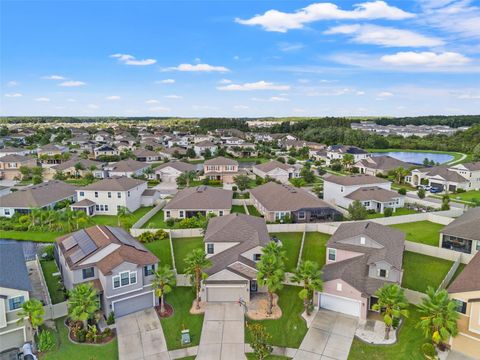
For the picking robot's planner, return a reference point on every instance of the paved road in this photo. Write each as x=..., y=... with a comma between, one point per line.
x=223, y=333
x=140, y=337
x=329, y=337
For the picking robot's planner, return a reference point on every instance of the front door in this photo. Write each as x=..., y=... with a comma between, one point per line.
x=253, y=286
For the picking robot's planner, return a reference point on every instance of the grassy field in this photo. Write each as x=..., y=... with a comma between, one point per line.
x=156, y=221
x=291, y=244
x=37, y=236
x=252, y=210
x=49, y=267
x=181, y=299
x=238, y=209
x=161, y=249
x=398, y=212
x=466, y=196
x=314, y=248
x=421, y=271
x=182, y=247
x=112, y=220
x=291, y=328
x=424, y=232
x=65, y=349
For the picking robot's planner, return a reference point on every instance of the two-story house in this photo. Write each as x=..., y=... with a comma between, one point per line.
x=276, y=170
x=222, y=169
x=10, y=166
x=361, y=257
x=118, y=266
x=203, y=146
x=170, y=171
x=337, y=152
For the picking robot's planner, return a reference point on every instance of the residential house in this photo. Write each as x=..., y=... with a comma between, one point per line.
x=465, y=290
x=276, y=170
x=172, y=153
x=233, y=244
x=144, y=155
x=463, y=233
x=105, y=150
x=222, y=169
x=361, y=257
x=118, y=266
x=104, y=197
x=10, y=166
x=170, y=171
x=242, y=150
x=80, y=139
x=51, y=150
x=279, y=201
x=13, y=151
x=380, y=165
x=337, y=152
x=202, y=146
x=128, y=167
x=373, y=192
x=175, y=141
x=68, y=168
x=202, y=200
x=102, y=137
x=42, y=196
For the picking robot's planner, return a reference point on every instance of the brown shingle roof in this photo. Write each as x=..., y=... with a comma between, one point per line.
x=469, y=278
x=86, y=163
x=271, y=165
x=385, y=163
x=178, y=165
x=201, y=198
x=128, y=165
x=221, y=161
x=15, y=158
x=38, y=195
x=354, y=180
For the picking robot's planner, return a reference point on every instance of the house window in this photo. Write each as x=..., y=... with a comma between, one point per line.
x=128, y=193
x=7, y=212
x=106, y=207
x=97, y=207
x=149, y=270
x=81, y=193
x=210, y=249
x=478, y=245
x=301, y=215
x=257, y=257
x=366, y=203
x=339, y=286
x=119, y=195
x=96, y=194
x=181, y=213
x=220, y=213
x=461, y=306
x=133, y=277
x=341, y=189
x=382, y=273
x=88, y=273
x=125, y=278
x=332, y=254
x=167, y=214
x=109, y=195
x=15, y=303
x=116, y=282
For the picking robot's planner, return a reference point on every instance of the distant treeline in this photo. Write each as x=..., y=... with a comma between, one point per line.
x=75, y=119
x=223, y=123
x=452, y=121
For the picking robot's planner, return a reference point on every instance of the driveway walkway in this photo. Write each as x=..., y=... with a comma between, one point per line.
x=140, y=337
x=223, y=333
x=329, y=337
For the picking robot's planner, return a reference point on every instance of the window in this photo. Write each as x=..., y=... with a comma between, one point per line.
x=128, y=193
x=332, y=254
x=133, y=277
x=478, y=245
x=97, y=207
x=116, y=282
x=220, y=213
x=106, y=207
x=6, y=212
x=366, y=203
x=81, y=193
x=461, y=306
x=210, y=249
x=124, y=279
x=15, y=303
x=109, y=195
x=382, y=273
x=167, y=214
x=119, y=195
x=96, y=194
x=181, y=213
x=301, y=215
x=339, y=286
x=149, y=270
x=341, y=189
x=88, y=273
x=257, y=257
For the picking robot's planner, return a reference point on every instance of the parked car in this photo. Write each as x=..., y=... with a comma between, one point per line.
x=435, y=190
x=424, y=187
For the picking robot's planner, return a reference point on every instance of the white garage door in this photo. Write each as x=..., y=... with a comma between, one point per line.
x=169, y=178
x=224, y=293
x=133, y=304
x=340, y=304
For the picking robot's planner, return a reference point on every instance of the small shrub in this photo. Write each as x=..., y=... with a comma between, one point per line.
x=459, y=191
x=388, y=212
x=92, y=334
x=429, y=351
x=146, y=237
x=336, y=167
x=421, y=193
x=161, y=234
x=234, y=188
x=402, y=191
x=170, y=222
x=110, y=318
x=46, y=341
x=48, y=252
x=106, y=333
x=81, y=335
x=258, y=180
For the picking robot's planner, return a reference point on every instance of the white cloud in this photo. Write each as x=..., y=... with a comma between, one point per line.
x=159, y=109
x=93, y=106
x=72, y=83
x=469, y=96
x=272, y=99
x=426, y=58
x=259, y=85
x=225, y=81
x=173, y=96
x=12, y=83
x=240, y=107
x=290, y=47
x=131, y=60
x=165, y=81
x=42, y=99
x=53, y=77
x=384, y=36
x=71, y=100
x=274, y=20
x=113, y=97
x=384, y=94
x=329, y=92
x=197, y=68
x=360, y=93
x=151, y=101
x=14, y=95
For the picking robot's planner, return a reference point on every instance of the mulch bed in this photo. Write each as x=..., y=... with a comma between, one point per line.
x=167, y=313
x=101, y=341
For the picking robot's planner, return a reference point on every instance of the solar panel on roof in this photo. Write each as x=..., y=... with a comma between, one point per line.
x=125, y=238
x=69, y=243
x=77, y=256
x=85, y=242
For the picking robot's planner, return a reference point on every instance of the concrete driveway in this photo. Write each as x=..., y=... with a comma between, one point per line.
x=223, y=333
x=140, y=337
x=329, y=337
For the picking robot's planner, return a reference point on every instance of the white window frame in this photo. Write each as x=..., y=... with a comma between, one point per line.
x=379, y=271
x=334, y=254
x=302, y=215
x=15, y=297
x=129, y=277
x=167, y=214
x=181, y=214
x=339, y=286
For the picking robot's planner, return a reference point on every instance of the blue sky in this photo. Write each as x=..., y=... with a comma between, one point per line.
x=239, y=58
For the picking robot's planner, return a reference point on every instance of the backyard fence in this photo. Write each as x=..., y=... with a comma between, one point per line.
x=55, y=311
x=437, y=252
x=450, y=274
x=144, y=219
x=413, y=297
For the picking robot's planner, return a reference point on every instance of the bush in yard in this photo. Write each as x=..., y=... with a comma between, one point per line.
x=402, y=191
x=258, y=180
x=357, y=211
x=336, y=167
x=111, y=318
x=46, y=341
x=259, y=342
x=459, y=191
x=146, y=237
x=161, y=234
x=429, y=351
x=421, y=193
x=234, y=188
x=446, y=202
x=92, y=334
x=48, y=252
x=170, y=222
x=388, y=212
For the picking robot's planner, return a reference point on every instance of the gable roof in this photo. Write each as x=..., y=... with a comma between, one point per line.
x=86, y=163
x=373, y=193
x=352, y=180
x=272, y=165
x=383, y=162
x=469, y=278
x=443, y=172
x=220, y=160
x=128, y=165
x=178, y=165
x=201, y=198
x=38, y=195
x=120, y=183
x=13, y=270
x=466, y=226
x=15, y=158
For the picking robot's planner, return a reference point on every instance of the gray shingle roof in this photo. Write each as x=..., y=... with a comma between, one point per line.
x=13, y=270
x=221, y=161
x=273, y=164
x=128, y=165
x=178, y=165
x=466, y=226
x=373, y=193
x=383, y=163
x=201, y=198
x=38, y=195
x=354, y=180
x=121, y=183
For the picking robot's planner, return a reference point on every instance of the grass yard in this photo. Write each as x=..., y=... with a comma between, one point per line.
x=291, y=328
x=424, y=232
x=156, y=221
x=112, y=220
x=291, y=244
x=80, y=181
x=65, y=349
x=49, y=267
x=181, y=299
x=252, y=210
x=161, y=249
x=466, y=196
x=314, y=248
x=398, y=212
x=408, y=346
x=421, y=271
x=37, y=236
x=240, y=209
x=182, y=247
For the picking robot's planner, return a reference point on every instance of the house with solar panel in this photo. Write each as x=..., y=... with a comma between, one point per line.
x=118, y=266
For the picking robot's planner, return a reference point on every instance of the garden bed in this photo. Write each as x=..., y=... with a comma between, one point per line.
x=167, y=313
x=73, y=329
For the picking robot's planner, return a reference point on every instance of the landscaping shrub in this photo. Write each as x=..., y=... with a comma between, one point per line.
x=170, y=222
x=92, y=334
x=234, y=188
x=48, y=252
x=81, y=335
x=336, y=167
x=421, y=193
x=258, y=180
x=429, y=351
x=402, y=191
x=46, y=341
x=148, y=237
x=388, y=212
x=111, y=318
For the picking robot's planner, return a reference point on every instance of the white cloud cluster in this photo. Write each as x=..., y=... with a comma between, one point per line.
x=14, y=95
x=197, y=68
x=54, y=77
x=12, y=83
x=274, y=20
x=165, y=81
x=425, y=58
x=42, y=99
x=131, y=60
x=151, y=101
x=259, y=85
x=113, y=97
x=272, y=99
x=72, y=83
x=173, y=96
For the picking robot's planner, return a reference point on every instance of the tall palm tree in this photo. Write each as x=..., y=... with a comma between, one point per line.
x=275, y=249
x=196, y=262
x=83, y=303
x=78, y=167
x=439, y=316
x=162, y=283
x=34, y=215
x=270, y=274
x=32, y=311
x=400, y=174
x=122, y=213
x=392, y=303
x=310, y=276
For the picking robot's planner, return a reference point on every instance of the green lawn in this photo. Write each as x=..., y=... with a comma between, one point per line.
x=112, y=220
x=38, y=236
x=67, y=350
x=161, y=249
x=290, y=329
x=398, y=212
x=181, y=299
x=80, y=181
x=182, y=247
x=49, y=267
x=424, y=232
x=421, y=271
x=238, y=209
x=408, y=346
x=314, y=248
x=466, y=196
x=156, y=221
x=252, y=210
x=291, y=244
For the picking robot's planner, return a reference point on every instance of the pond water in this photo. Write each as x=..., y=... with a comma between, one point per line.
x=417, y=157
x=30, y=248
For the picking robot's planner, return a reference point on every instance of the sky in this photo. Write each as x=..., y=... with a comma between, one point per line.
x=239, y=58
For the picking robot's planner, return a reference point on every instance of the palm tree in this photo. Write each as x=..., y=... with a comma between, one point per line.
x=310, y=275
x=400, y=174
x=186, y=177
x=35, y=215
x=270, y=274
x=348, y=160
x=439, y=317
x=392, y=303
x=196, y=262
x=162, y=283
x=78, y=167
x=275, y=249
x=32, y=311
x=83, y=303
x=122, y=212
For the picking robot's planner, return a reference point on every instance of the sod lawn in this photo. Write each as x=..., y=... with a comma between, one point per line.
x=65, y=349
x=240, y=209
x=181, y=299
x=421, y=271
x=49, y=267
x=398, y=212
x=291, y=243
x=182, y=247
x=161, y=249
x=314, y=248
x=290, y=329
x=252, y=210
x=424, y=232
x=112, y=220
x=466, y=196
x=408, y=346
x=156, y=221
